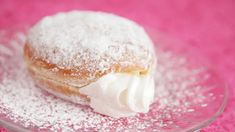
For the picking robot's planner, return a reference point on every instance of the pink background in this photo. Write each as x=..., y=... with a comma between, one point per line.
x=206, y=26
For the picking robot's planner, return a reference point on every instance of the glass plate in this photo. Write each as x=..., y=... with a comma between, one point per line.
x=188, y=95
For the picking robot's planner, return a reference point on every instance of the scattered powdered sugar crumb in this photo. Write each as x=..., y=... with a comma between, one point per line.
x=28, y=106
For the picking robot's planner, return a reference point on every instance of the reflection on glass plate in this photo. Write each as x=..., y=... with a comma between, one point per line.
x=188, y=96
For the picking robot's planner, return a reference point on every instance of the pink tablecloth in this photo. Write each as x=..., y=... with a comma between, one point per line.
x=207, y=25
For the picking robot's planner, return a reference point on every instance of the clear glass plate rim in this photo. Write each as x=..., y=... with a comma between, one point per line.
x=198, y=126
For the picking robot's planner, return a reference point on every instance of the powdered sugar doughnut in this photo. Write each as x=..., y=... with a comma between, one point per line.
x=72, y=54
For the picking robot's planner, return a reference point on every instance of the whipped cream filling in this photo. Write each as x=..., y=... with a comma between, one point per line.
x=121, y=95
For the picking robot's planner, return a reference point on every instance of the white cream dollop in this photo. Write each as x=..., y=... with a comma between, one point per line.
x=121, y=95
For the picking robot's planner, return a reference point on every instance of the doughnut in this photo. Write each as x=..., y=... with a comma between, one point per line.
x=93, y=58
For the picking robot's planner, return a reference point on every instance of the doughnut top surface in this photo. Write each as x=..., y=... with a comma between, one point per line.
x=90, y=40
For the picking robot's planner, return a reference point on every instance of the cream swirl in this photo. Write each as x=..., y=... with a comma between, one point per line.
x=121, y=95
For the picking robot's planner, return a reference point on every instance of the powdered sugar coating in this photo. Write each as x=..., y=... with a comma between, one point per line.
x=90, y=40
